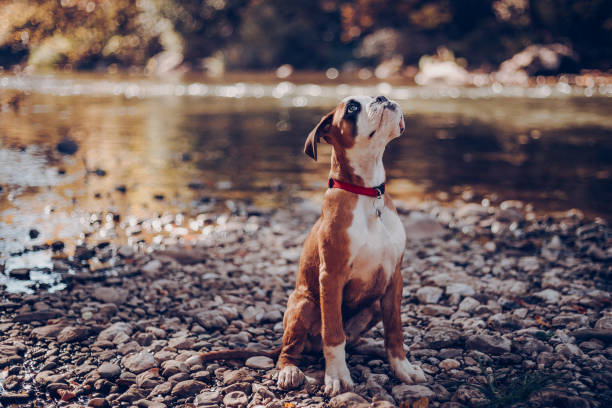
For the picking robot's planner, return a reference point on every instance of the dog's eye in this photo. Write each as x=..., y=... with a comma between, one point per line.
x=352, y=107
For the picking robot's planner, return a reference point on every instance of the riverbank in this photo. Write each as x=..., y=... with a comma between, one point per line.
x=488, y=291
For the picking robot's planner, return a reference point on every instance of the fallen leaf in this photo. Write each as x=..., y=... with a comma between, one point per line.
x=541, y=321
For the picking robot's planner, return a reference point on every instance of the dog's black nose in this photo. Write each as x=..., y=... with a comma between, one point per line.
x=381, y=99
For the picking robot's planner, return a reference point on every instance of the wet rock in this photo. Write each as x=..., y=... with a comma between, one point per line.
x=109, y=371
x=406, y=392
x=73, y=334
x=235, y=399
x=429, y=294
x=488, y=344
x=139, y=362
x=348, y=400
x=260, y=362
x=47, y=377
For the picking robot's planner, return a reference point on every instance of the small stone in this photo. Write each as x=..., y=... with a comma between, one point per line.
x=604, y=323
x=460, y=289
x=72, y=334
x=162, y=389
x=449, y=364
x=109, y=371
x=187, y=388
x=260, y=362
x=20, y=273
x=429, y=294
x=211, y=320
x=152, y=268
x=48, y=331
x=181, y=343
x=438, y=338
x=468, y=305
x=568, y=350
x=348, y=400
x=139, y=362
x=126, y=251
x=97, y=403
x=234, y=376
x=548, y=295
x=488, y=344
x=437, y=310
x=235, y=399
x=114, y=295
x=208, y=398
x=406, y=392
x=171, y=367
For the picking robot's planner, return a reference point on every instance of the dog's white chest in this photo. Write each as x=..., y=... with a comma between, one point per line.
x=376, y=241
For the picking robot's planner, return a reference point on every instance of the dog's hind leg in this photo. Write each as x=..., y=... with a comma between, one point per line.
x=361, y=323
x=301, y=318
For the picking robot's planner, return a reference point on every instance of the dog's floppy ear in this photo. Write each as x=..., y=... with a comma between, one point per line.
x=310, y=148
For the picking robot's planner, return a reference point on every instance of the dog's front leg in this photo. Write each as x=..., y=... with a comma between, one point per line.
x=337, y=375
x=394, y=339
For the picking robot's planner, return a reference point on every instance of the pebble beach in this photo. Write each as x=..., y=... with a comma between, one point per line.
x=501, y=307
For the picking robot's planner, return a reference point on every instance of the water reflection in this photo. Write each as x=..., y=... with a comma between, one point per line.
x=182, y=147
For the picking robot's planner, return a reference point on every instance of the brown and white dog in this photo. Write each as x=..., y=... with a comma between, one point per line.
x=349, y=276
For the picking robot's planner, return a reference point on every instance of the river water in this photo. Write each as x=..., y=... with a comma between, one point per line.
x=147, y=147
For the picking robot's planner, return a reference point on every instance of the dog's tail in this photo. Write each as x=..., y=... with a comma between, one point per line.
x=240, y=354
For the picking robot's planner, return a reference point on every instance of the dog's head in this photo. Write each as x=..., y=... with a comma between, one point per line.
x=358, y=123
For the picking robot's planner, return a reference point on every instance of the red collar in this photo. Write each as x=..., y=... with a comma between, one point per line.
x=368, y=191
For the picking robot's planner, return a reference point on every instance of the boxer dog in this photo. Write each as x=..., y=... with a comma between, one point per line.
x=349, y=276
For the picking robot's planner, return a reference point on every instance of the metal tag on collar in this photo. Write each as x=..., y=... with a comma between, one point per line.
x=379, y=192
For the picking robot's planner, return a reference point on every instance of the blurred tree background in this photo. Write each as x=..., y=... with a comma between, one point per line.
x=219, y=35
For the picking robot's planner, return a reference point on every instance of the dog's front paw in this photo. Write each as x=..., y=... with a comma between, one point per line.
x=407, y=372
x=290, y=377
x=337, y=379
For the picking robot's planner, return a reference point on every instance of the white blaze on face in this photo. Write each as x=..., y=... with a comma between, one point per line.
x=375, y=126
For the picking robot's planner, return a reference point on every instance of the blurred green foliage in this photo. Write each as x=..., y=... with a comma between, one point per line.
x=263, y=34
